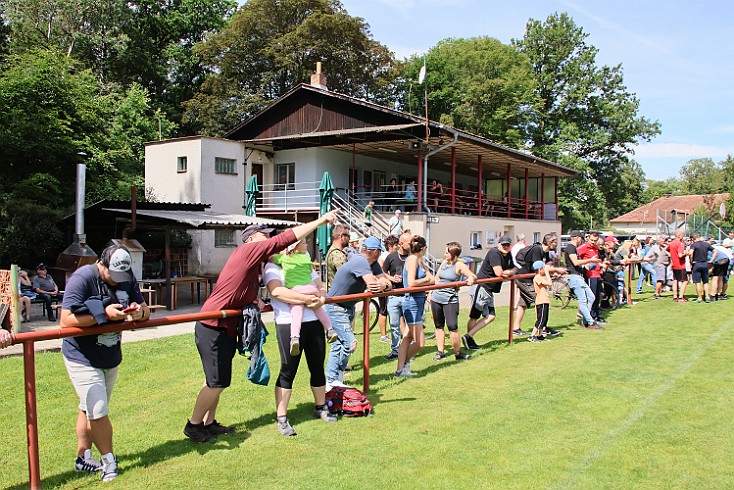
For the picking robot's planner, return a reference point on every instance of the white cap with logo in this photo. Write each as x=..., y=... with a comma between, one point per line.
x=120, y=266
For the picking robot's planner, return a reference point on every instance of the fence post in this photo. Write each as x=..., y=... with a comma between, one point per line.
x=31, y=414
x=512, y=309
x=366, y=346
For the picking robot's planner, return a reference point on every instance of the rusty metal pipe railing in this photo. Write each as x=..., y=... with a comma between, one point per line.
x=30, y=338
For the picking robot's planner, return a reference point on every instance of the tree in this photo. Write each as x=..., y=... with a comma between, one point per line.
x=702, y=176
x=478, y=84
x=272, y=45
x=585, y=110
x=654, y=189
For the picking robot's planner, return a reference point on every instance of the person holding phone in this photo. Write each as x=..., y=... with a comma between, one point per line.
x=96, y=294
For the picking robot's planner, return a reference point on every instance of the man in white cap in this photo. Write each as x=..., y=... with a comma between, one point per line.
x=105, y=291
x=395, y=225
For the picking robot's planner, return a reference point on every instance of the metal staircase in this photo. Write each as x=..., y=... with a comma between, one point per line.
x=351, y=214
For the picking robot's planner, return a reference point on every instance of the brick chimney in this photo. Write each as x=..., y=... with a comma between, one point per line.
x=318, y=79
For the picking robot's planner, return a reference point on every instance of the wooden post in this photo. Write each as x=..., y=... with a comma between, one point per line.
x=542, y=196
x=527, y=211
x=419, y=184
x=509, y=188
x=366, y=346
x=555, y=193
x=480, y=186
x=453, y=180
x=512, y=310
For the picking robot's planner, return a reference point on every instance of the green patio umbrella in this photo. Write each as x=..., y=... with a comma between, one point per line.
x=251, y=192
x=323, y=234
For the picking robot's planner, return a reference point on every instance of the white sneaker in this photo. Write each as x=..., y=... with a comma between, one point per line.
x=385, y=339
x=109, y=468
x=87, y=463
x=405, y=373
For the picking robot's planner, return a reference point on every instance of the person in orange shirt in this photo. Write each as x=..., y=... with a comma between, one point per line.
x=541, y=282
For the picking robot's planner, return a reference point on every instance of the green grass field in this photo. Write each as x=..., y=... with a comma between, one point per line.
x=648, y=403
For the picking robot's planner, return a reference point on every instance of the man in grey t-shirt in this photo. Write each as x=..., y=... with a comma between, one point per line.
x=46, y=288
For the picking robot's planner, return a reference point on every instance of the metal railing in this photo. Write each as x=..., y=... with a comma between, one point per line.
x=30, y=338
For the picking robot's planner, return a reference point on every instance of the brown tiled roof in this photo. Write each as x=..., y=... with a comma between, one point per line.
x=682, y=204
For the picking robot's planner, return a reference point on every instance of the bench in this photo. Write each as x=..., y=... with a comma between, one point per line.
x=55, y=305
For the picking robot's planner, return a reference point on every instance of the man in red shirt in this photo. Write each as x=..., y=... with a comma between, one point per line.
x=590, y=250
x=237, y=286
x=677, y=250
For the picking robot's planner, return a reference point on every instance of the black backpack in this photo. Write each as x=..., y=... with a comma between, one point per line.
x=520, y=257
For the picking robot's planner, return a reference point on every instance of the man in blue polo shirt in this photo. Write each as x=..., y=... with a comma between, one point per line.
x=361, y=272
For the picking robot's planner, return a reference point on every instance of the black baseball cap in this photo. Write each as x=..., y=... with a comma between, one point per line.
x=577, y=233
x=504, y=239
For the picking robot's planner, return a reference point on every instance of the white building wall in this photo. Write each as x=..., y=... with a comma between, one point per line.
x=162, y=179
x=225, y=192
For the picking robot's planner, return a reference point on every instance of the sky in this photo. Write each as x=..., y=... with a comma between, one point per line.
x=677, y=57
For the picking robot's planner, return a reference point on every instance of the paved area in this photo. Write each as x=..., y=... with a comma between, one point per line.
x=39, y=323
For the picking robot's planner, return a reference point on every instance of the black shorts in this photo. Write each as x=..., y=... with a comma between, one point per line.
x=382, y=301
x=447, y=314
x=216, y=350
x=700, y=272
x=720, y=270
x=680, y=275
x=527, y=294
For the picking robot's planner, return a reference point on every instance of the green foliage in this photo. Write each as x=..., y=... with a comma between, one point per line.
x=585, y=109
x=270, y=46
x=479, y=85
x=703, y=176
x=654, y=189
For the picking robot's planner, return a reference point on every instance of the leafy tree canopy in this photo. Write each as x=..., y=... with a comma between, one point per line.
x=272, y=45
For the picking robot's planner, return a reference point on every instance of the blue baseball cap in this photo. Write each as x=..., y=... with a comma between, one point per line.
x=538, y=264
x=373, y=243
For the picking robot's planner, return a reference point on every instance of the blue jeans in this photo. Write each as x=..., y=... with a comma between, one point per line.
x=646, y=268
x=341, y=350
x=583, y=294
x=394, y=313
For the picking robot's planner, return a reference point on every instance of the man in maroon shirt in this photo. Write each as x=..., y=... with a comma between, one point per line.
x=237, y=286
x=677, y=250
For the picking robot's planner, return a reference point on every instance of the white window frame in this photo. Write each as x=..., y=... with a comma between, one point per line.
x=290, y=177
x=182, y=165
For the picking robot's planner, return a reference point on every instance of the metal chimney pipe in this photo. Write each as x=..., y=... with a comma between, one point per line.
x=81, y=179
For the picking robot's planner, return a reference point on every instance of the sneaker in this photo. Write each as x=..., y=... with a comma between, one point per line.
x=675, y=300
x=533, y=338
x=285, y=427
x=431, y=336
x=683, y=300
x=708, y=300
x=391, y=356
x=698, y=300
x=323, y=413
x=295, y=346
x=465, y=340
x=384, y=339
x=519, y=332
x=723, y=296
x=551, y=332
x=638, y=292
x=439, y=355
x=601, y=320
x=87, y=463
x=331, y=336
x=218, y=429
x=469, y=343
x=405, y=373
x=462, y=356
x=656, y=296
x=595, y=326
x=198, y=433
x=109, y=469
x=543, y=338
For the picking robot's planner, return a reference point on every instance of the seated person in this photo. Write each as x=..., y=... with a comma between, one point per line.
x=46, y=288
x=25, y=297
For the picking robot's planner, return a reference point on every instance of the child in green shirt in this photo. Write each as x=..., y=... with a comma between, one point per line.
x=297, y=269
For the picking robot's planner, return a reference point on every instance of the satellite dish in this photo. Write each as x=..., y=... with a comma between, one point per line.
x=422, y=74
x=722, y=210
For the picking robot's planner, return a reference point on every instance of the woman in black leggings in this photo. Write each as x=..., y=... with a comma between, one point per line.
x=313, y=346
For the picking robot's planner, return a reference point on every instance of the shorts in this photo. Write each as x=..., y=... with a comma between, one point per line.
x=447, y=314
x=660, y=273
x=720, y=270
x=382, y=302
x=216, y=350
x=527, y=294
x=680, y=275
x=700, y=272
x=482, y=303
x=93, y=386
x=413, y=309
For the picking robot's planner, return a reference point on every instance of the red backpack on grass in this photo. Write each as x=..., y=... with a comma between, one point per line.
x=348, y=401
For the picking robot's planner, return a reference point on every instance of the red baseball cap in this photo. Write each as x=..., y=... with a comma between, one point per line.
x=610, y=239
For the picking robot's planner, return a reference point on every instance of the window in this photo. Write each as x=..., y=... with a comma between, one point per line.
x=224, y=237
x=285, y=176
x=182, y=165
x=536, y=237
x=475, y=238
x=225, y=166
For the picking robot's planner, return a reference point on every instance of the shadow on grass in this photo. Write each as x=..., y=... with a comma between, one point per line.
x=179, y=447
